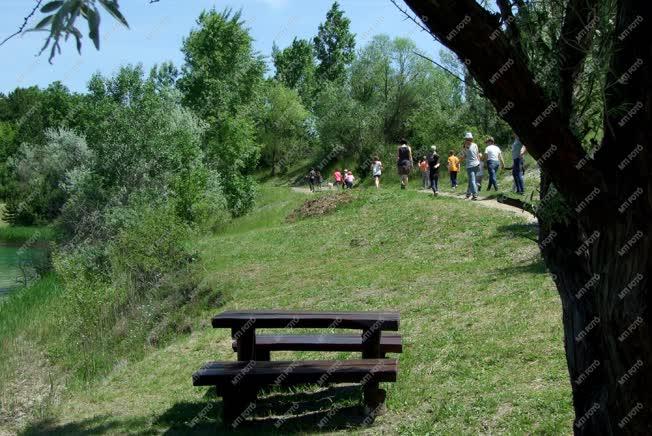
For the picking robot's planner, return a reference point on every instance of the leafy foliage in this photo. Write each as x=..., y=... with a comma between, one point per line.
x=41, y=170
x=334, y=46
x=221, y=81
x=62, y=18
x=284, y=130
x=295, y=67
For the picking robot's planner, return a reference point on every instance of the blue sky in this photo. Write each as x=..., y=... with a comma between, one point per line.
x=157, y=31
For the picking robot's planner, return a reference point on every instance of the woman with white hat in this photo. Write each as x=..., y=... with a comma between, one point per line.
x=471, y=158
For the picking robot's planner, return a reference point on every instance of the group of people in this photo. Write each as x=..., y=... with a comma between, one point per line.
x=474, y=161
x=429, y=165
x=315, y=180
x=344, y=179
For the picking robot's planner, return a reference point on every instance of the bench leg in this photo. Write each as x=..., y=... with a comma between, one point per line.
x=264, y=355
x=239, y=402
x=374, y=399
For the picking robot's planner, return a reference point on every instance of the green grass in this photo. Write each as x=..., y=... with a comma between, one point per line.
x=481, y=321
x=18, y=234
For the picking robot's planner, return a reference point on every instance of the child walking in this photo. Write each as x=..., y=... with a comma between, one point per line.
x=337, y=175
x=453, y=168
x=349, y=179
x=376, y=170
x=425, y=175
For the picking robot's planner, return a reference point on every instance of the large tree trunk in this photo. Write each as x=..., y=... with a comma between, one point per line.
x=601, y=272
x=599, y=245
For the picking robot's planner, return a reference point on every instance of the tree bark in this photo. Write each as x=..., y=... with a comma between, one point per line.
x=600, y=249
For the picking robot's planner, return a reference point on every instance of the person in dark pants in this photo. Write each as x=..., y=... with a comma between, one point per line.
x=495, y=160
x=518, y=151
x=453, y=168
x=404, y=162
x=433, y=165
x=312, y=177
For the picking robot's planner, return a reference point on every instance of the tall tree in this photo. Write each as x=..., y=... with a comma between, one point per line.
x=283, y=131
x=334, y=46
x=599, y=244
x=295, y=68
x=221, y=82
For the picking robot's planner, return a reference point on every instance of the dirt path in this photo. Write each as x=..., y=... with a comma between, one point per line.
x=489, y=202
x=484, y=202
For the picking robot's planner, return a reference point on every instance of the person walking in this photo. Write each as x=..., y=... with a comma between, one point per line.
x=337, y=175
x=425, y=174
x=404, y=162
x=518, y=152
x=471, y=158
x=376, y=170
x=318, y=180
x=479, y=176
x=312, y=175
x=349, y=179
x=433, y=166
x=453, y=168
x=495, y=160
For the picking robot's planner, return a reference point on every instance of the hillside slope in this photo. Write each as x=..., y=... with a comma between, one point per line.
x=480, y=319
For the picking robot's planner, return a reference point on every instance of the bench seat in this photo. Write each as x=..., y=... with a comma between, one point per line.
x=259, y=373
x=390, y=342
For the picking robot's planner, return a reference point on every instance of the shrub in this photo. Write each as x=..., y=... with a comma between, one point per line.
x=149, y=246
x=121, y=294
x=40, y=170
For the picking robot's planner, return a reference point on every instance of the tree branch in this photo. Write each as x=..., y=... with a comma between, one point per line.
x=22, y=27
x=509, y=20
x=448, y=71
x=580, y=20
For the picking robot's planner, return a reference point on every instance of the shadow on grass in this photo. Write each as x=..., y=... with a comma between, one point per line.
x=527, y=231
x=278, y=412
x=520, y=230
x=103, y=424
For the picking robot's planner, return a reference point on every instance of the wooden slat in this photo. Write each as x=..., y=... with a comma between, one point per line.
x=296, y=372
x=286, y=319
x=389, y=343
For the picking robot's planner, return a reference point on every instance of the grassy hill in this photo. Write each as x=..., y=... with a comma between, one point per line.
x=480, y=319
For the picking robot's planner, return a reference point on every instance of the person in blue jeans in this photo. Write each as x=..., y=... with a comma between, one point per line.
x=495, y=160
x=518, y=151
x=472, y=158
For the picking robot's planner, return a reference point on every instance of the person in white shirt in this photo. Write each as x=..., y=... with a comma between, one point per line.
x=471, y=156
x=377, y=170
x=349, y=179
x=494, y=161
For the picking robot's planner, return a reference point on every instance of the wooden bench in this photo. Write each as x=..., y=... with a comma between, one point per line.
x=390, y=342
x=239, y=382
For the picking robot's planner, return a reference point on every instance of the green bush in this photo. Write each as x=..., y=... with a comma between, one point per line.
x=123, y=294
x=150, y=245
x=40, y=171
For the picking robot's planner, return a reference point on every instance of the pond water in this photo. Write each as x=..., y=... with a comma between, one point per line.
x=10, y=257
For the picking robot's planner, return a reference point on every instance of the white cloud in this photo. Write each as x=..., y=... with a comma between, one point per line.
x=276, y=4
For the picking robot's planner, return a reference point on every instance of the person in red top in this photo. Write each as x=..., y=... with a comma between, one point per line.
x=337, y=175
x=425, y=174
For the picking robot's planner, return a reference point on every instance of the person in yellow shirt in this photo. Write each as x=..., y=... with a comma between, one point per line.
x=453, y=168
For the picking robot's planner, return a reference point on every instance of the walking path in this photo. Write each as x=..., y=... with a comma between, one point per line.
x=485, y=202
x=489, y=202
